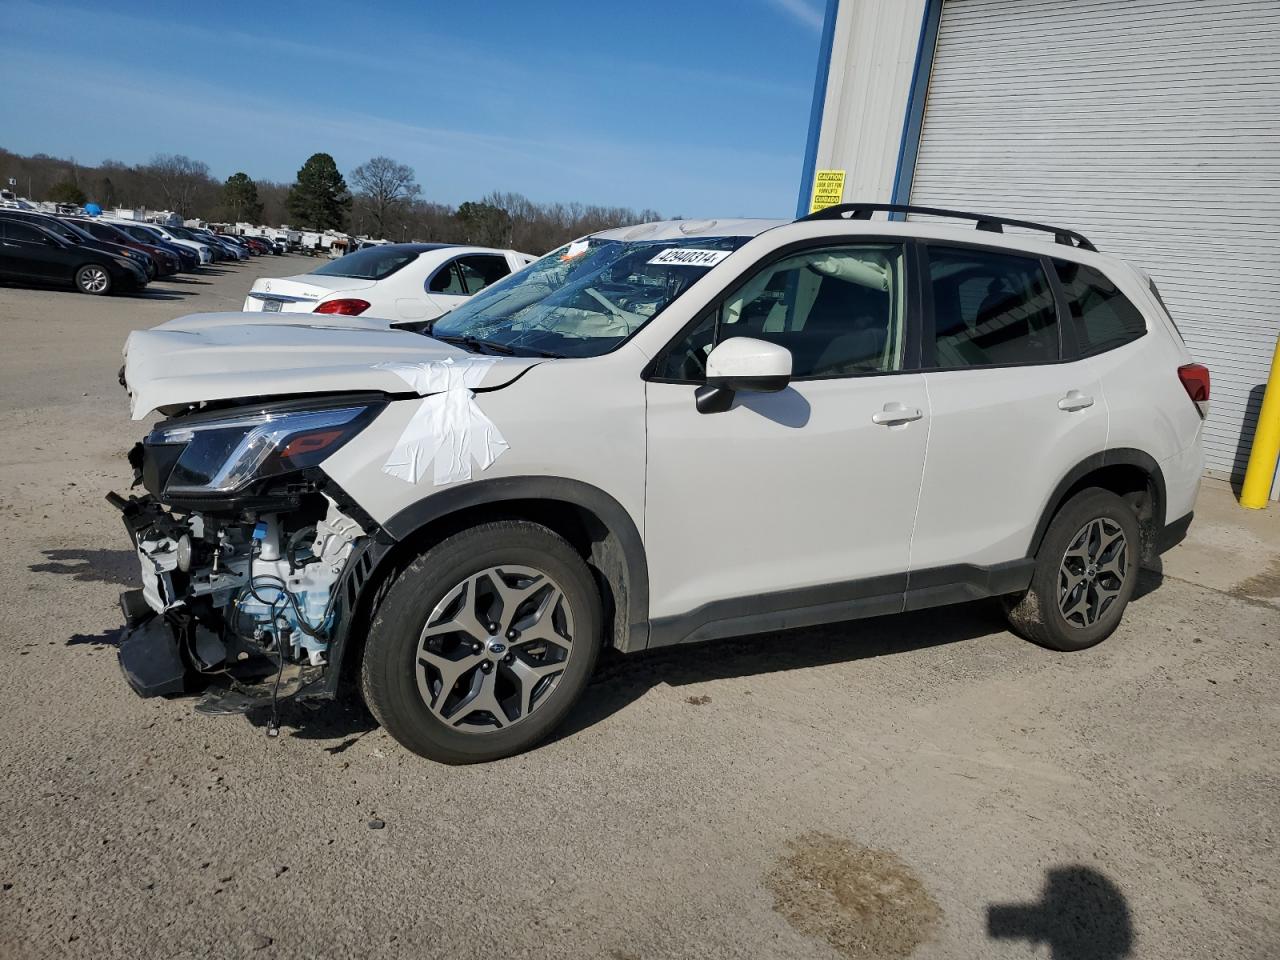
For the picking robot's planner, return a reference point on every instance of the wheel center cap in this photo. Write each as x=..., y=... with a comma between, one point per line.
x=496, y=646
x=1092, y=572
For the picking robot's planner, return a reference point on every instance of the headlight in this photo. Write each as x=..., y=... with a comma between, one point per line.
x=225, y=456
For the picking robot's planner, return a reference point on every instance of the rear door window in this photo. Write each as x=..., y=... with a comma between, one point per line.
x=447, y=281
x=990, y=309
x=480, y=270
x=20, y=232
x=1103, y=318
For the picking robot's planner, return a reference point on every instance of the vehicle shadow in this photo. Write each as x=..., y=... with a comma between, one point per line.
x=345, y=718
x=621, y=680
x=92, y=566
x=1081, y=915
x=162, y=295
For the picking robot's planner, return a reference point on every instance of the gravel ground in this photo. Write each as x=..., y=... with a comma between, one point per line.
x=927, y=785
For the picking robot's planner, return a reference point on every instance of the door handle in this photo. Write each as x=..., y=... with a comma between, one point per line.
x=896, y=413
x=1074, y=400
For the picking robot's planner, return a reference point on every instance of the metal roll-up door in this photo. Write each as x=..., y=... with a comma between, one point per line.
x=1153, y=127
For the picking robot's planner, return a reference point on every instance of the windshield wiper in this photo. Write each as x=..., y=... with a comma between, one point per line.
x=475, y=344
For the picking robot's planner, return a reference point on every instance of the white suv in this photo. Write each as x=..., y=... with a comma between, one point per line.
x=654, y=435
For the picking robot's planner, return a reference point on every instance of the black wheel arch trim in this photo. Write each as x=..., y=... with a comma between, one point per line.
x=1117, y=457
x=575, y=493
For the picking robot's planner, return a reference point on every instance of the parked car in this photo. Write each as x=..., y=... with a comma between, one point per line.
x=75, y=235
x=655, y=435
x=253, y=245
x=236, y=250
x=187, y=255
x=221, y=251
x=30, y=251
x=203, y=250
x=260, y=245
x=398, y=281
x=167, y=262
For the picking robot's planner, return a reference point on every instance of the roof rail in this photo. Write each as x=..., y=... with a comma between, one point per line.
x=984, y=221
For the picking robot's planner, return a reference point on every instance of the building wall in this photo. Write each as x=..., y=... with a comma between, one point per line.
x=872, y=60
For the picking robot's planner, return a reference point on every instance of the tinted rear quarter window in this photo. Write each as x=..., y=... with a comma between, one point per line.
x=990, y=309
x=1103, y=318
x=480, y=270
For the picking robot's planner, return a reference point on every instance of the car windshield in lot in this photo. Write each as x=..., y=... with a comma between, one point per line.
x=66, y=231
x=371, y=263
x=585, y=298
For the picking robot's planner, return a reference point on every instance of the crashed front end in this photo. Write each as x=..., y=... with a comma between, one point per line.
x=251, y=558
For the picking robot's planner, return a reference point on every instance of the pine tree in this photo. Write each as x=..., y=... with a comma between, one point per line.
x=319, y=199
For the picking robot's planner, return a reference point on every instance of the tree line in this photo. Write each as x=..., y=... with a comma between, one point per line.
x=380, y=198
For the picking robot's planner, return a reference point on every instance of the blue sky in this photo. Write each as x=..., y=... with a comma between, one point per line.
x=693, y=107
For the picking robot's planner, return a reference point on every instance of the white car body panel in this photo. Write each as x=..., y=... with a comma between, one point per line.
x=401, y=296
x=983, y=495
x=759, y=499
x=601, y=443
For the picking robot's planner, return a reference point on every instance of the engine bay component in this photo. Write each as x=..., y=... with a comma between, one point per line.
x=243, y=598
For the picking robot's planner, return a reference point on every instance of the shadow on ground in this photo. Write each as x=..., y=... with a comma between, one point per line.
x=108, y=638
x=621, y=680
x=1081, y=915
x=92, y=566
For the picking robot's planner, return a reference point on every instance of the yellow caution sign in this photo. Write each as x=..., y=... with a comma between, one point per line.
x=828, y=189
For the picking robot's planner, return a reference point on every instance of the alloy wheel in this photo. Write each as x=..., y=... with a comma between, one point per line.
x=94, y=279
x=494, y=648
x=1093, y=572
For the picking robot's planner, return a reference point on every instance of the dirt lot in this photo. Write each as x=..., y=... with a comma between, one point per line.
x=927, y=786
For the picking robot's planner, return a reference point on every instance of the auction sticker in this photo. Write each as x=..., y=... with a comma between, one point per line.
x=682, y=257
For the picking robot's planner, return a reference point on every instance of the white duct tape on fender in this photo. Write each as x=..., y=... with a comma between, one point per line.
x=449, y=430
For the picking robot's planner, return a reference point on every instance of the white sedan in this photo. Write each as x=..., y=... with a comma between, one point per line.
x=396, y=281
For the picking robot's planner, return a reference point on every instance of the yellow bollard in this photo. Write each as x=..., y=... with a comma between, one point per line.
x=1261, y=473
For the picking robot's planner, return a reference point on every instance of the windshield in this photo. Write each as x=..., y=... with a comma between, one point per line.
x=585, y=298
x=372, y=263
x=66, y=230
x=181, y=232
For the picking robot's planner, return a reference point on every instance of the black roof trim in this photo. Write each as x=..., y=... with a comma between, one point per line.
x=983, y=221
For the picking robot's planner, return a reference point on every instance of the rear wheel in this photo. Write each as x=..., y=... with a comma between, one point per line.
x=93, y=279
x=483, y=644
x=1086, y=571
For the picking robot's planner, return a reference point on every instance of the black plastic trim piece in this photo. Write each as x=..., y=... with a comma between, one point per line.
x=1120, y=456
x=558, y=489
x=1173, y=533
x=851, y=600
x=783, y=610
x=962, y=582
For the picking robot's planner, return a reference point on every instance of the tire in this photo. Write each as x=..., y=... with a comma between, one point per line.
x=93, y=279
x=419, y=632
x=1086, y=571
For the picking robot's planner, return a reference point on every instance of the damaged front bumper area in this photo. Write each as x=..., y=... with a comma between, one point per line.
x=247, y=593
x=243, y=612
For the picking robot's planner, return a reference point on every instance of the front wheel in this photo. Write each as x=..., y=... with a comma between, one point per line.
x=1085, y=575
x=93, y=279
x=483, y=644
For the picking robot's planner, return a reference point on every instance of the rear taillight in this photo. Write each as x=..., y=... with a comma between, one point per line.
x=1195, y=380
x=347, y=308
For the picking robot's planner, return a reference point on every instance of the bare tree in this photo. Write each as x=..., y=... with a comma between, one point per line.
x=181, y=180
x=384, y=188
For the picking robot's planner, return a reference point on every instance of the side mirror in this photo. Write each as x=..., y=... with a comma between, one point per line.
x=746, y=364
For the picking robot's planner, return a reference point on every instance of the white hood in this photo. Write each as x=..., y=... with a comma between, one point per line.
x=226, y=356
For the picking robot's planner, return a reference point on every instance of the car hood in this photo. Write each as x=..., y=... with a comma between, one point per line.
x=229, y=356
